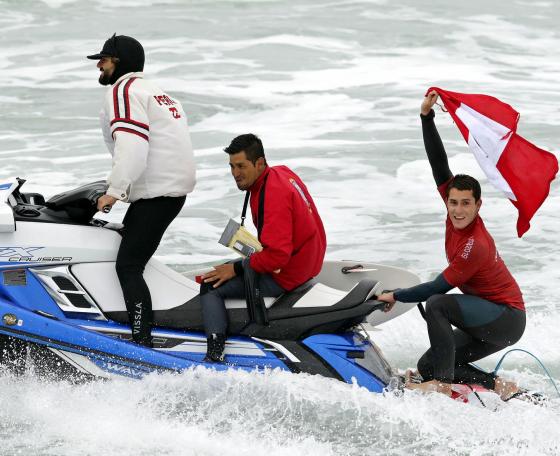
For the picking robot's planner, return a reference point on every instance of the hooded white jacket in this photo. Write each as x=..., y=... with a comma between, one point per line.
x=147, y=134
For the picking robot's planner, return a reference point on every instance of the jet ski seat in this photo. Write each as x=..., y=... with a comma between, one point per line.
x=318, y=309
x=298, y=309
x=313, y=298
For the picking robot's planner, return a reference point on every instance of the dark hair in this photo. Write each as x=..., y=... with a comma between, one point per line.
x=250, y=144
x=465, y=182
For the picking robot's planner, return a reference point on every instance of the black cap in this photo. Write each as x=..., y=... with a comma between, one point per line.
x=129, y=52
x=109, y=49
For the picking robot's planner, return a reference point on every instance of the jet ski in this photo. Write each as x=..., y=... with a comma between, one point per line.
x=62, y=313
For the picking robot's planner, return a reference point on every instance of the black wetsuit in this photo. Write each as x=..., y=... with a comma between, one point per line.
x=145, y=223
x=482, y=327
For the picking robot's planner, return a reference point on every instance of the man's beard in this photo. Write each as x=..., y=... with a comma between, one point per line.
x=104, y=79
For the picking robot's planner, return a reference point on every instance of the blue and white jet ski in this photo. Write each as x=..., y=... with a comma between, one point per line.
x=62, y=313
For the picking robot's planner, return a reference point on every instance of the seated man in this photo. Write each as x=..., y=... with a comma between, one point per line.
x=289, y=229
x=490, y=315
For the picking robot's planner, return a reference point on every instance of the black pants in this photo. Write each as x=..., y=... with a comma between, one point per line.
x=144, y=224
x=481, y=328
x=212, y=299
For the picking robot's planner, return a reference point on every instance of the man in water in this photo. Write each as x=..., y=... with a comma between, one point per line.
x=289, y=229
x=490, y=315
x=153, y=167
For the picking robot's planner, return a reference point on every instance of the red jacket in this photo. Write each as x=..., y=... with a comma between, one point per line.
x=475, y=267
x=293, y=237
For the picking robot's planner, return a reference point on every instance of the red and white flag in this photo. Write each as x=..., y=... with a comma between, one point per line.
x=512, y=164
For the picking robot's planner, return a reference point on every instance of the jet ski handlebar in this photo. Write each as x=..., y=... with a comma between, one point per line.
x=77, y=205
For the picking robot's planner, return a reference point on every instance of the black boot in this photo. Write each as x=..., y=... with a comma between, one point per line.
x=140, y=316
x=144, y=341
x=216, y=344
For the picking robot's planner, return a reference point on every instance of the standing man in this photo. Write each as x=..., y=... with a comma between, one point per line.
x=289, y=229
x=153, y=168
x=490, y=315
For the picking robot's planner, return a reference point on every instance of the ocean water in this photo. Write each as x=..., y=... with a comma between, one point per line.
x=333, y=88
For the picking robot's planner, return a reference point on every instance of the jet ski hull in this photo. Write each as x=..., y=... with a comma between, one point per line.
x=86, y=351
x=36, y=335
x=62, y=313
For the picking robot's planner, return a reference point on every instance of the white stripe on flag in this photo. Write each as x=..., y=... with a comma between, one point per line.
x=486, y=142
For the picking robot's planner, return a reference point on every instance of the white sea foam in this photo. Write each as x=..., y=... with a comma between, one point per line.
x=203, y=412
x=57, y=3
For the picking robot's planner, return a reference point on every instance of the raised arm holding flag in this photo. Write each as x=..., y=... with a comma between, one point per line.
x=490, y=314
x=513, y=165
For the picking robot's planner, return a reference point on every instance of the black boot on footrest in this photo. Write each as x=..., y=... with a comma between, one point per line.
x=216, y=344
x=145, y=342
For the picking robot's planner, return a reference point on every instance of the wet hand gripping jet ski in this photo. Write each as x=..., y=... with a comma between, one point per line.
x=62, y=313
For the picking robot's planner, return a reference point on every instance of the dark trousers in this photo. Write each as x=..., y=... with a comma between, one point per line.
x=144, y=224
x=481, y=328
x=214, y=311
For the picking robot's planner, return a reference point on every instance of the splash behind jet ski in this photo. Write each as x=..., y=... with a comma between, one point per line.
x=62, y=312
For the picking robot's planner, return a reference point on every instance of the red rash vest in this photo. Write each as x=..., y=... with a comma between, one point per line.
x=475, y=267
x=293, y=237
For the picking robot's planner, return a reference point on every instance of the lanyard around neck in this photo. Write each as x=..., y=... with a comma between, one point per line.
x=260, y=213
x=244, y=211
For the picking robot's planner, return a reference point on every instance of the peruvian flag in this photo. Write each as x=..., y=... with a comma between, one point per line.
x=515, y=166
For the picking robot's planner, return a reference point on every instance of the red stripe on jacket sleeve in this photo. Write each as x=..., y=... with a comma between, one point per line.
x=129, y=130
x=130, y=121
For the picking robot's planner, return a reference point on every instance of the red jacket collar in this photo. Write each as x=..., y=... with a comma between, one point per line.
x=259, y=182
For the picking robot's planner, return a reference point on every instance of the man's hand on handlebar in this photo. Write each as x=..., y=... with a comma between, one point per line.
x=105, y=203
x=389, y=299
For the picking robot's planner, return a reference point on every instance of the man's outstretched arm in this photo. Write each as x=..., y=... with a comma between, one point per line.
x=417, y=293
x=432, y=142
